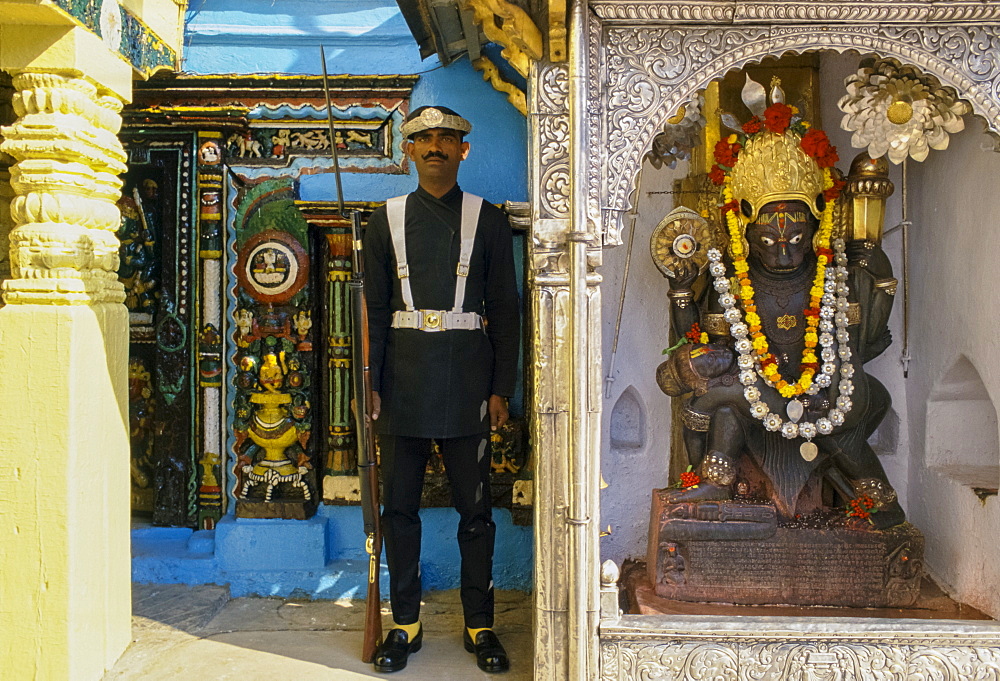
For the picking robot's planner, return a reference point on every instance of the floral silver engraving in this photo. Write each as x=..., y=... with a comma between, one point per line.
x=685, y=648
x=649, y=71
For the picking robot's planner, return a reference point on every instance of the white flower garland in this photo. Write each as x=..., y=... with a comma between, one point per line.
x=834, y=338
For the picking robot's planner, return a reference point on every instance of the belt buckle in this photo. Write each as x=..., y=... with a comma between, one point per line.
x=432, y=320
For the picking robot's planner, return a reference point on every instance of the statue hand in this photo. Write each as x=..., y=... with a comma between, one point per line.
x=717, y=359
x=860, y=252
x=685, y=274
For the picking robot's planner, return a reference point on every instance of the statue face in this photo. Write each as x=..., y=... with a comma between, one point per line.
x=781, y=237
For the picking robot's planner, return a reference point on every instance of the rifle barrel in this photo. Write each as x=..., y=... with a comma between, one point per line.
x=363, y=404
x=333, y=135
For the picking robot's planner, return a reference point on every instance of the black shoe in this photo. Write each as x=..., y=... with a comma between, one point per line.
x=391, y=655
x=490, y=655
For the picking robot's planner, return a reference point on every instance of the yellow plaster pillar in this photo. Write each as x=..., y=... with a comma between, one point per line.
x=64, y=453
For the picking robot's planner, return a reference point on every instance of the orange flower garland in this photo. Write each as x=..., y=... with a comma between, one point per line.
x=768, y=362
x=778, y=118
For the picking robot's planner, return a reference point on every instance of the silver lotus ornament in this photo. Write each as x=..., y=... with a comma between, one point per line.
x=899, y=111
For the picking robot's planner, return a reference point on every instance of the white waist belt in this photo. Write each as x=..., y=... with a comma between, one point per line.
x=436, y=320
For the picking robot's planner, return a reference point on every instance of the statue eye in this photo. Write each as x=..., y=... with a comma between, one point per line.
x=767, y=241
x=795, y=239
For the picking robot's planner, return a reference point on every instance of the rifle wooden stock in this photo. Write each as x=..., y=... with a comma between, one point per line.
x=362, y=384
x=367, y=466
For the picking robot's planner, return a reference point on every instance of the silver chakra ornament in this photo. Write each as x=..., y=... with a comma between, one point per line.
x=896, y=110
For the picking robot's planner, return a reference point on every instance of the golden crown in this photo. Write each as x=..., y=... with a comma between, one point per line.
x=773, y=167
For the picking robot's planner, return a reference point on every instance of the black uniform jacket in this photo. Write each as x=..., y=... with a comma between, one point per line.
x=436, y=384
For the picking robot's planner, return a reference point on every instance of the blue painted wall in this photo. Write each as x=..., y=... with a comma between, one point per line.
x=323, y=557
x=362, y=37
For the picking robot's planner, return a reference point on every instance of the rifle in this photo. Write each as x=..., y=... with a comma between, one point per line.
x=362, y=384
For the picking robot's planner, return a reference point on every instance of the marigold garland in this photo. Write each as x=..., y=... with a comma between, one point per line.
x=696, y=335
x=778, y=118
x=768, y=362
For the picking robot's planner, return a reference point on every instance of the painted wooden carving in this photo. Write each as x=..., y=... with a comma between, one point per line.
x=156, y=269
x=272, y=356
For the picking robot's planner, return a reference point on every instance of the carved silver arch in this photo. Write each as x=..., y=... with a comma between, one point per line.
x=649, y=70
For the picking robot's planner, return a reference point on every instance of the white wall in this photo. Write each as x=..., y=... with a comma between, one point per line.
x=954, y=201
x=955, y=241
x=632, y=472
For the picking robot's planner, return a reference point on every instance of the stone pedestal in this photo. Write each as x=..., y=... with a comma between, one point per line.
x=270, y=544
x=733, y=552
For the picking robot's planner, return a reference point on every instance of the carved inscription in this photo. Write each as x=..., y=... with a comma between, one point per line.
x=832, y=566
x=779, y=567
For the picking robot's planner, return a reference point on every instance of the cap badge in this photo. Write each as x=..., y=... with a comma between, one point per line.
x=433, y=117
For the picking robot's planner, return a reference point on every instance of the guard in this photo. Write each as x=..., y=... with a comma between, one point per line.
x=444, y=330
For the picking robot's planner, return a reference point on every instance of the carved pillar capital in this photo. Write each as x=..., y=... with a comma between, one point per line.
x=6, y=191
x=63, y=248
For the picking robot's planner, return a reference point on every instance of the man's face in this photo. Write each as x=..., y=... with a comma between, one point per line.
x=437, y=153
x=781, y=237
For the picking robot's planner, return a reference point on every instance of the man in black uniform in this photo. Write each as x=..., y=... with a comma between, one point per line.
x=444, y=331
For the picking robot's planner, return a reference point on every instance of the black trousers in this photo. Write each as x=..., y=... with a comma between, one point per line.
x=467, y=464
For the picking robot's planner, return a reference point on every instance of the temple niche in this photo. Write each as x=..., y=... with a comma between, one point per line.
x=803, y=497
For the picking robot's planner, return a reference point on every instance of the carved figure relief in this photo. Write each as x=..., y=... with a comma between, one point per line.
x=266, y=144
x=155, y=268
x=139, y=250
x=273, y=392
x=273, y=413
x=142, y=407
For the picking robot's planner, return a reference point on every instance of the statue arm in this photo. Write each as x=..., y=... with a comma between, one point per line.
x=869, y=256
x=683, y=305
x=876, y=306
x=681, y=318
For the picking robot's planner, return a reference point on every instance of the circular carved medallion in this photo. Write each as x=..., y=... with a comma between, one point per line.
x=681, y=235
x=272, y=267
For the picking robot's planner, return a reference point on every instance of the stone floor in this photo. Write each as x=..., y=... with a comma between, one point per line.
x=199, y=633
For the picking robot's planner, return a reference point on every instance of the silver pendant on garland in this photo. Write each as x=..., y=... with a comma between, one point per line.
x=808, y=450
x=795, y=410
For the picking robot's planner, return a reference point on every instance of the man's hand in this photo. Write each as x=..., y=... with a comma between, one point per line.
x=498, y=412
x=376, y=406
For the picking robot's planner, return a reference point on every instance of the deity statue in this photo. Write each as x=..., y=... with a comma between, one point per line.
x=139, y=233
x=791, y=318
x=778, y=424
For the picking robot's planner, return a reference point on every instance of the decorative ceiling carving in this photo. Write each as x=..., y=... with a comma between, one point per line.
x=769, y=11
x=649, y=69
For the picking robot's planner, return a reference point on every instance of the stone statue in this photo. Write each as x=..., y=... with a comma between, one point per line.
x=791, y=317
x=777, y=426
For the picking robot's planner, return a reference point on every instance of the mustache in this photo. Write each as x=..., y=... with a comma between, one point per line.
x=436, y=154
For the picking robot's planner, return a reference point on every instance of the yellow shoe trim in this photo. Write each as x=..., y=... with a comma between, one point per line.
x=410, y=629
x=474, y=632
